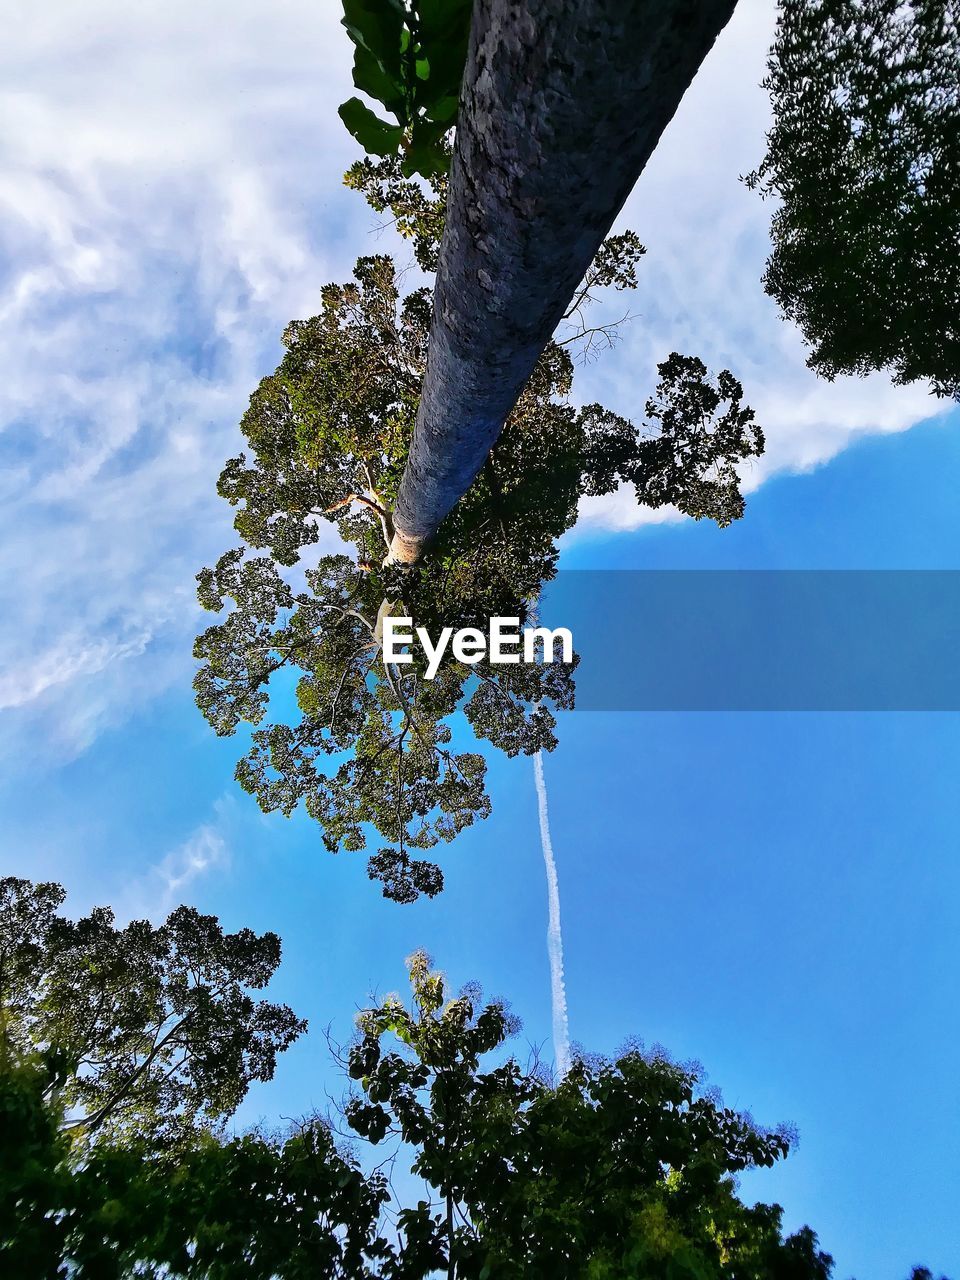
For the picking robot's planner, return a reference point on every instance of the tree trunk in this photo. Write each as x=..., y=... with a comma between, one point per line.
x=563, y=103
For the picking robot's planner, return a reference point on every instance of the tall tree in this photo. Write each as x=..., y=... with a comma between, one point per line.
x=146, y=1029
x=562, y=104
x=366, y=743
x=560, y=107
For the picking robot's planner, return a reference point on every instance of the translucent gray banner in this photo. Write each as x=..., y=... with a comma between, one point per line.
x=778, y=640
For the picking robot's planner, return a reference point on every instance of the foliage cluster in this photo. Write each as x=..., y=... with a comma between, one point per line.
x=624, y=1168
x=145, y=1030
x=371, y=744
x=209, y=1207
x=864, y=155
x=409, y=56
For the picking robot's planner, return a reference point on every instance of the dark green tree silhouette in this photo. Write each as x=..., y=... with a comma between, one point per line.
x=359, y=742
x=144, y=1030
x=623, y=1170
x=864, y=157
x=34, y=1169
x=206, y=1208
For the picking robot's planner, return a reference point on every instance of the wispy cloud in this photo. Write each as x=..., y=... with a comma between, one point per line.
x=64, y=661
x=169, y=199
x=172, y=880
x=204, y=851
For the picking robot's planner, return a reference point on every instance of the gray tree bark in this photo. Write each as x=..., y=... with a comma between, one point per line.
x=563, y=103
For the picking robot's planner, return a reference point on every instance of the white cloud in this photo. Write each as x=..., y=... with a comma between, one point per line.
x=68, y=659
x=169, y=199
x=164, y=885
x=204, y=851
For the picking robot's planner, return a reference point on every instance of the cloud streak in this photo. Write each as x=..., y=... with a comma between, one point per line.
x=204, y=851
x=558, y=991
x=173, y=879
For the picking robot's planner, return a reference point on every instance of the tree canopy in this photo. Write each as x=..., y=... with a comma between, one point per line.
x=864, y=157
x=365, y=743
x=208, y=1208
x=624, y=1169
x=144, y=1030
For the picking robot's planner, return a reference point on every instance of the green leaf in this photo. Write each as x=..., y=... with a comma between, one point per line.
x=441, y=19
x=425, y=154
x=378, y=26
x=370, y=77
x=377, y=137
x=443, y=30
x=444, y=110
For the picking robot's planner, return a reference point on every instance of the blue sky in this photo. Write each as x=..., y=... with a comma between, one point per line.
x=773, y=894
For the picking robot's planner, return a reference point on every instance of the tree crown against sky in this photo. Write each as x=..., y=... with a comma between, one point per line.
x=624, y=1168
x=372, y=744
x=331, y=431
x=144, y=1030
x=864, y=157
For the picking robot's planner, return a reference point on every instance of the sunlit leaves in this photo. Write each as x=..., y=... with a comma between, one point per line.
x=409, y=56
x=368, y=747
x=416, y=208
x=622, y=1169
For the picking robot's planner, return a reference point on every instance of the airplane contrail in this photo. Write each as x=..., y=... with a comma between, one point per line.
x=558, y=992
